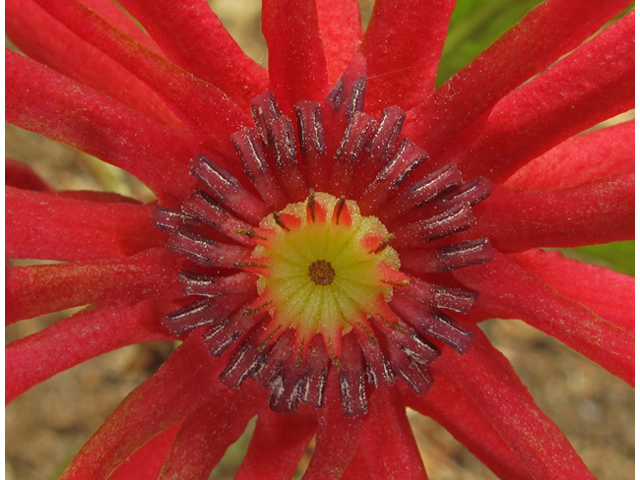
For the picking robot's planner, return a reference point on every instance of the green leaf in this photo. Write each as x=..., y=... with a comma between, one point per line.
x=476, y=24
x=618, y=256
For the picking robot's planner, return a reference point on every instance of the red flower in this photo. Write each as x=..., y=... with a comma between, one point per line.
x=345, y=357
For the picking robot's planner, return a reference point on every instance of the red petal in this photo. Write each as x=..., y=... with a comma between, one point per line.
x=183, y=383
x=337, y=438
x=40, y=289
x=297, y=67
x=341, y=33
x=599, y=211
x=148, y=460
x=545, y=34
x=455, y=410
x=608, y=294
x=590, y=85
x=387, y=442
x=46, y=102
x=207, y=432
x=94, y=196
x=357, y=469
x=277, y=445
x=79, y=338
x=195, y=101
x=507, y=290
x=19, y=175
x=488, y=378
x=44, y=39
x=580, y=159
x=113, y=13
x=45, y=226
x=194, y=38
x=403, y=43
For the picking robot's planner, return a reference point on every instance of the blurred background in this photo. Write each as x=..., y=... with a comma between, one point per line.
x=47, y=425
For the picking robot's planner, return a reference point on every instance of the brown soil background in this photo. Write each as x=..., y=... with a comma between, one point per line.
x=47, y=425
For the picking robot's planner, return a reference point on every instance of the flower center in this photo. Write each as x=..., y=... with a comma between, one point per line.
x=317, y=263
x=323, y=268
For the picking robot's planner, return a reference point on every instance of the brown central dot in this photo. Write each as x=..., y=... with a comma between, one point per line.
x=321, y=272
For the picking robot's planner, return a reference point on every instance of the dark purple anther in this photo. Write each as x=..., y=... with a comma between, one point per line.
x=257, y=169
x=420, y=193
x=312, y=144
x=448, y=257
x=224, y=186
x=264, y=110
x=472, y=192
x=282, y=138
x=205, y=251
x=456, y=219
x=407, y=158
x=356, y=137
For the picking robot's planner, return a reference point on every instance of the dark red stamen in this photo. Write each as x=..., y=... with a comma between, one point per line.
x=358, y=133
x=312, y=144
x=471, y=192
x=264, y=110
x=199, y=284
x=204, y=207
x=438, y=296
x=282, y=138
x=226, y=188
x=407, y=158
x=447, y=258
x=204, y=312
x=205, y=251
x=419, y=194
x=458, y=218
x=257, y=169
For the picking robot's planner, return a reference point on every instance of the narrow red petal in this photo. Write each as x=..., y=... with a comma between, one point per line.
x=549, y=31
x=20, y=175
x=79, y=338
x=337, y=438
x=207, y=432
x=297, y=66
x=599, y=211
x=210, y=112
x=44, y=39
x=40, y=289
x=403, y=44
x=341, y=33
x=357, y=469
x=507, y=290
x=113, y=13
x=183, y=383
x=194, y=38
x=44, y=101
x=277, y=445
x=148, y=460
x=96, y=196
x=387, y=442
x=488, y=378
x=51, y=227
x=580, y=159
x=594, y=83
x=608, y=294
x=456, y=411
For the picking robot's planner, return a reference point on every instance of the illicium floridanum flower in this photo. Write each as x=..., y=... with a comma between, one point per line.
x=305, y=252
